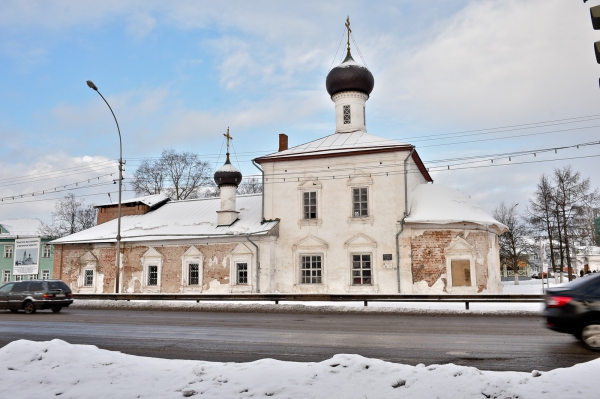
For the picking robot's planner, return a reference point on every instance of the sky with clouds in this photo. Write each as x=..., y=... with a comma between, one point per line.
x=178, y=73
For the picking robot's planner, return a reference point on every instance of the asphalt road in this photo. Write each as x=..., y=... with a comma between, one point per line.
x=485, y=342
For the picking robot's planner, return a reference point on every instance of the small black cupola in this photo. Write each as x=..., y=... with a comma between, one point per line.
x=228, y=174
x=349, y=76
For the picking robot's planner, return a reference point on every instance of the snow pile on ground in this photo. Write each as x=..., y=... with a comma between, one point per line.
x=56, y=368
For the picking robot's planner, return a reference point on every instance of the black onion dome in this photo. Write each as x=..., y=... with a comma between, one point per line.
x=228, y=174
x=349, y=75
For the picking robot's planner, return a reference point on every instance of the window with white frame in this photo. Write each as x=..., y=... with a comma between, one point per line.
x=45, y=274
x=88, y=278
x=5, y=276
x=360, y=202
x=47, y=251
x=193, y=273
x=361, y=269
x=8, y=251
x=309, y=204
x=241, y=273
x=18, y=277
x=32, y=276
x=152, y=275
x=311, y=269
x=347, y=119
x=461, y=272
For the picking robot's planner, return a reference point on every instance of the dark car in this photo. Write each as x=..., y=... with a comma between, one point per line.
x=574, y=309
x=32, y=295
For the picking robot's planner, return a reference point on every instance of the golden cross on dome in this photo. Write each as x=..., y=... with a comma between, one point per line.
x=349, y=30
x=228, y=137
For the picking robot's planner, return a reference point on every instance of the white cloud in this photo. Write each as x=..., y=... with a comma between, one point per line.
x=140, y=24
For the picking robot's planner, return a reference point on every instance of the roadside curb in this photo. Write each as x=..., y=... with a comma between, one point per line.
x=284, y=308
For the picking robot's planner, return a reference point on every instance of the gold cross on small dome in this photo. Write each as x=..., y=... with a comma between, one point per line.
x=228, y=137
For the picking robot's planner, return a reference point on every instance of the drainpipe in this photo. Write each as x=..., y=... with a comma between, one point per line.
x=257, y=261
x=403, y=217
x=262, y=172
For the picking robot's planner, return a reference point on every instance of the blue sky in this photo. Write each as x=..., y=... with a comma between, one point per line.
x=178, y=73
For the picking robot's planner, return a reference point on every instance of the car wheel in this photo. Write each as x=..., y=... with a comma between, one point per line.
x=14, y=310
x=590, y=335
x=29, y=307
x=56, y=309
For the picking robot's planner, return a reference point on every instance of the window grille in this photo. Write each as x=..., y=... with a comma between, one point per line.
x=360, y=202
x=310, y=205
x=361, y=269
x=8, y=251
x=310, y=269
x=88, y=278
x=47, y=251
x=152, y=275
x=45, y=274
x=364, y=117
x=5, y=276
x=347, y=120
x=461, y=273
x=242, y=273
x=194, y=273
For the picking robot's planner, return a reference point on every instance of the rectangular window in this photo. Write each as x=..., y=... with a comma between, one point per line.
x=5, y=276
x=152, y=275
x=88, y=278
x=8, y=251
x=242, y=273
x=461, y=273
x=45, y=274
x=194, y=273
x=310, y=204
x=310, y=269
x=18, y=277
x=361, y=269
x=364, y=116
x=32, y=276
x=360, y=202
x=47, y=251
x=347, y=120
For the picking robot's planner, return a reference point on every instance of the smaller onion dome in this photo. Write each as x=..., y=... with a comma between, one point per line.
x=349, y=75
x=228, y=174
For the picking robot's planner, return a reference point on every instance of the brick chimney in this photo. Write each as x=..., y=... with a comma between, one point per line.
x=283, y=142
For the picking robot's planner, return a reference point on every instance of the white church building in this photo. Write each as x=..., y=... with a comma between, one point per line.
x=351, y=212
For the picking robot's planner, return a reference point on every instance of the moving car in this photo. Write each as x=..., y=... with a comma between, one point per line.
x=574, y=308
x=32, y=295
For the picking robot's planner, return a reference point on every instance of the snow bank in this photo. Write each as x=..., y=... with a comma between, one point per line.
x=433, y=309
x=57, y=368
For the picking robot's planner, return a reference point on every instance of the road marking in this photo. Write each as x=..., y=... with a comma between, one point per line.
x=457, y=353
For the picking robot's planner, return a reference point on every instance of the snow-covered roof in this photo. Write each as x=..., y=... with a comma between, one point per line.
x=338, y=143
x=184, y=219
x=438, y=204
x=150, y=200
x=21, y=227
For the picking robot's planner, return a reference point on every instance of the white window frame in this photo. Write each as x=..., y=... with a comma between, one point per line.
x=371, y=268
x=45, y=274
x=361, y=181
x=368, y=202
x=308, y=215
x=18, y=277
x=47, y=251
x=238, y=271
x=321, y=269
x=460, y=249
x=310, y=185
x=6, y=274
x=242, y=254
x=85, y=275
x=192, y=256
x=152, y=258
x=310, y=245
x=362, y=244
x=8, y=251
x=88, y=262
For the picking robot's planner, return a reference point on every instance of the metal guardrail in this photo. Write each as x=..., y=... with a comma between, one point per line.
x=526, y=298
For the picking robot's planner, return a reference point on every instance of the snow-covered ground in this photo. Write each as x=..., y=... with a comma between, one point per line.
x=58, y=369
x=513, y=308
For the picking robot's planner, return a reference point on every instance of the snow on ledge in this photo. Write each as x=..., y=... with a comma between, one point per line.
x=439, y=204
x=57, y=368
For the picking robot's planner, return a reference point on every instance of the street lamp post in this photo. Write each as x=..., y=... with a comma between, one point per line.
x=93, y=86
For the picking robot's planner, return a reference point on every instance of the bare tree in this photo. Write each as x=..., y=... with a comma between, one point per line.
x=515, y=245
x=178, y=175
x=69, y=217
x=250, y=186
x=541, y=214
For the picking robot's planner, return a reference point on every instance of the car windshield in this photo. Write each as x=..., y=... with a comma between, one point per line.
x=57, y=285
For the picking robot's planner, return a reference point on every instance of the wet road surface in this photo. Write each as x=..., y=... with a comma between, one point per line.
x=485, y=342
